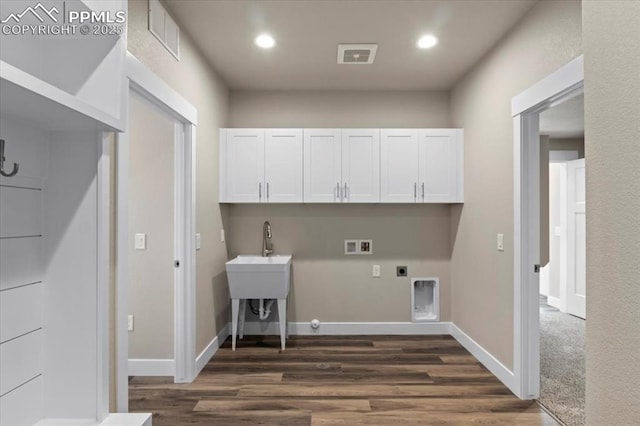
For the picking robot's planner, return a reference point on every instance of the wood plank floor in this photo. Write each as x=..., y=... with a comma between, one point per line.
x=337, y=380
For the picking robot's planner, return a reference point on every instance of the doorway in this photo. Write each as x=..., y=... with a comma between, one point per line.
x=562, y=85
x=152, y=98
x=152, y=248
x=563, y=260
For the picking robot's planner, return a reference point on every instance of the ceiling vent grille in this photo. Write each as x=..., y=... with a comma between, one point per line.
x=362, y=54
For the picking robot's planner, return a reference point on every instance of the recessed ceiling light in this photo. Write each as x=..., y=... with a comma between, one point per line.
x=427, y=41
x=265, y=41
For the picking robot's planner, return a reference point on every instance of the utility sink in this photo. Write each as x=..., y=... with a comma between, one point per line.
x=257, y=277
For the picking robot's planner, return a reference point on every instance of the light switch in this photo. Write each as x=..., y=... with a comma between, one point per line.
x=376, y=271
x=141, y=241
x=222, y=235
x=558, y=231
x=500, y=242
x=198, y=241
x=130, y=323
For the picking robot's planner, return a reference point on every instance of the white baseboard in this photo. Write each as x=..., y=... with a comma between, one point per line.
x=498, y=369
x=151, y=367
x=348, y=328
x=212, y=348
x=555, y=302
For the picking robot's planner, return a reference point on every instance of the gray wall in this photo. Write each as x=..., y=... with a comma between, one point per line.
x=612, y=90
x=327, y=284
x=548, y=37
x=568, y=144
x=194, y=78
x=339, y=109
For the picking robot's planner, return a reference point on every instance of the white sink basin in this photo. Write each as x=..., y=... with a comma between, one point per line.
x=257, y=277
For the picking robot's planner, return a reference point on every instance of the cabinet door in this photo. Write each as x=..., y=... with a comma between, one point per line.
x=361, y=165
x=399, y=165
x=439, y=169
x=322, y=166
x=243, y=158
x=283, y=165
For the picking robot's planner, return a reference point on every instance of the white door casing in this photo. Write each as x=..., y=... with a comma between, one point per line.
x=576, y=239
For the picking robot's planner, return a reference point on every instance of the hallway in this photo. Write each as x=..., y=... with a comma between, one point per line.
x=562, y=367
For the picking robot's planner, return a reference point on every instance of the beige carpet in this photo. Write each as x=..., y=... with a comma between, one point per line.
x=562, y=370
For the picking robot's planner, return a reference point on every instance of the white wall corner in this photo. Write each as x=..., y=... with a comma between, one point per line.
x=208, y=352
x=498, y=369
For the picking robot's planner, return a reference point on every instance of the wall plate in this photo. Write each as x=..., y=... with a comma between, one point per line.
x=365, y=246
x=401, y=271
x=350, y=247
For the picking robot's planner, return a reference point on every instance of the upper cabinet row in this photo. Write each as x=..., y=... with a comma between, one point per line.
x=341, y=165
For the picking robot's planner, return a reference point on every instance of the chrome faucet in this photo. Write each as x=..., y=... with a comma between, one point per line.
x=267, y=247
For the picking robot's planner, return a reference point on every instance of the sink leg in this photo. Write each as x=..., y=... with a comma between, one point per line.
x=241, y=320
x=235, y=304
x=282, y=319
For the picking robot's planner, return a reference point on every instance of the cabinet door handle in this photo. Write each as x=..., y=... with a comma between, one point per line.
x=415, y=191
x=267, y=191
x=346, y=191
x=338, y=197
x=422, y=191
x=259, y=191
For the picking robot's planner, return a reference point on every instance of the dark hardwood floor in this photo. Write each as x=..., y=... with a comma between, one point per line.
x=337, y=380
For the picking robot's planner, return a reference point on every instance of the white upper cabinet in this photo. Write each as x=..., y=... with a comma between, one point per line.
x=242, y=164
x=341, y=165
x=361, y=165
x=421, y=166
x=400, y=165
x=261, y=166
x=440, y=152
x=283, y=166
x=322, y=166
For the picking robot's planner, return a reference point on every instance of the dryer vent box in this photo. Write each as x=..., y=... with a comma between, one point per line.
x=425, y=299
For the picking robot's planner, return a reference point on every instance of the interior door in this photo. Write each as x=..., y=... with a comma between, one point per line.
x=283, y=165
x=361, y=165
x=399, y=165
x=322, y=166
x=244, y=150
x=576, y=239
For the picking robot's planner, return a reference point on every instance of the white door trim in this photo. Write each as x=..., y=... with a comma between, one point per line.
x=559, y=86
x=144, y=82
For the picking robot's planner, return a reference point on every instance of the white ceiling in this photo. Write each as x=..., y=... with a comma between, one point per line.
x=565, y=120
x=307, y=34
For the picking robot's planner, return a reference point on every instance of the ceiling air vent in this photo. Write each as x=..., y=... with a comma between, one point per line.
x=357, y=53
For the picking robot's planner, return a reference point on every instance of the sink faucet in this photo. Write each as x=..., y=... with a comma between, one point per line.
x=267, y=247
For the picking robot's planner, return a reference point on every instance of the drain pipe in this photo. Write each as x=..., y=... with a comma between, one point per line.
x=265, y=311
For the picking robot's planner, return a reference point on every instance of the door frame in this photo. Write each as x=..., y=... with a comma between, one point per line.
x=144, y=82
x=556, y=88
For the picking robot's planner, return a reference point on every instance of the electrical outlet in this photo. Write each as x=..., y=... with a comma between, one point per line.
x=365, y=246
x=500, y=242
x=198, y=241
x=376, y=271
x=130, y=323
